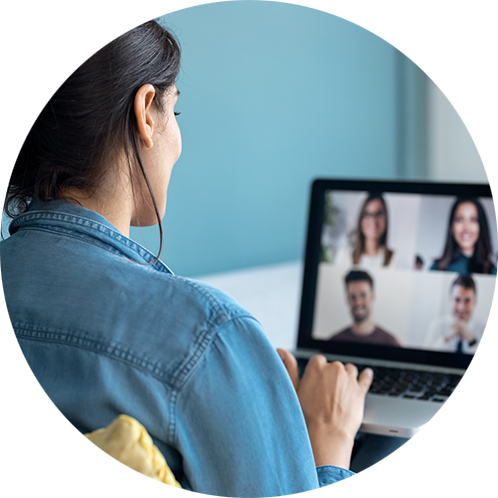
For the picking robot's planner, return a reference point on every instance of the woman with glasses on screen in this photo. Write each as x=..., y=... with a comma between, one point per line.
x=370, y=244
x=108, y=329
x=467, y=248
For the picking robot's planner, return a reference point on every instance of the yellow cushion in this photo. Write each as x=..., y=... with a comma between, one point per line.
x=127, y=441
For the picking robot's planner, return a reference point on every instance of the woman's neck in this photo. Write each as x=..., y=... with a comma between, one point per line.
x=115, y=214
x=113, y=201
x=371, y=247
x=466, y=252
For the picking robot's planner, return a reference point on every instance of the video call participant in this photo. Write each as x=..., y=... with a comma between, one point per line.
x=370, y=247
x=360, y=297
x=468, y=243
x=459, y=332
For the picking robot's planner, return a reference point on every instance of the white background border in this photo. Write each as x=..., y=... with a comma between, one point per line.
x=453, y=42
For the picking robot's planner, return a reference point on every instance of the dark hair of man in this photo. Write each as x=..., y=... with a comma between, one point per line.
x=90, y=120
x=465, y=281
x=359, y=245
x=480, y=260
x=358, y=276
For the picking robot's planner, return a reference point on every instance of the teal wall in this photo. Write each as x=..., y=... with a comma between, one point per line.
x=272, y=96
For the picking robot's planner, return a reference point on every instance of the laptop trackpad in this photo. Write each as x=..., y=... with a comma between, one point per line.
x=391, y=416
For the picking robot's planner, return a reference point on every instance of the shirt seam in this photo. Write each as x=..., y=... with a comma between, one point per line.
x=82, y=238
x=175, y=380
x=202, y=344
x=59, y=216
x=205, y=344
x=77, y=220
x=220, y=313
x=128, y=362
x=84, y=340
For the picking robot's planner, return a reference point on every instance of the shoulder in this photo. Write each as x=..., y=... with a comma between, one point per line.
x=459, y=265
x=179, y=317
x=477, y=327
x=381, y=331
x=214, y=305
x=341, y=334
x=109, y=305
x=386, y=336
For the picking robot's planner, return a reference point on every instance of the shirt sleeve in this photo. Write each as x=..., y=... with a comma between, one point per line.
x=239, y=425
x=328, y=474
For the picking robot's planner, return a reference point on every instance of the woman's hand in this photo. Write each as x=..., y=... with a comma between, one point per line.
x=332, y=397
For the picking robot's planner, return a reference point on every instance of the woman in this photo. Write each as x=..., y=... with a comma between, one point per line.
x=468, y=245
x=108, y=329
x=370, y=248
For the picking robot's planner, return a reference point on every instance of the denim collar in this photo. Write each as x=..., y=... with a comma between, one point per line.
x=65, y=216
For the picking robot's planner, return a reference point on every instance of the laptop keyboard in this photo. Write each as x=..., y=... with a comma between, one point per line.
x=406, y=383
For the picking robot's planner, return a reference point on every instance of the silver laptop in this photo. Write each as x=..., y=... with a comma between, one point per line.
x=398, y=276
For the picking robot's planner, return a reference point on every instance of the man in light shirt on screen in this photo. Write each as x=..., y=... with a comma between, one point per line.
x=459, y=332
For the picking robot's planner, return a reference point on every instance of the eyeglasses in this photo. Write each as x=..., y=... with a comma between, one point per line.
x=377, y=215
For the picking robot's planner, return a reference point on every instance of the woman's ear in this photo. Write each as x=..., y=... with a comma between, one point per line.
x=143, y=112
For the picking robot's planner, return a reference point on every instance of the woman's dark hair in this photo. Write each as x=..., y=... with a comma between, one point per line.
x=359, y=245
x=480, y=261
x=91, y=118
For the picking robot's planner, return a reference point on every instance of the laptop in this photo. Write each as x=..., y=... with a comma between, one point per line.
x=398, y=276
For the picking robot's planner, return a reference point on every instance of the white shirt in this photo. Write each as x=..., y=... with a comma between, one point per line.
x=441, y=328
x=344, y=257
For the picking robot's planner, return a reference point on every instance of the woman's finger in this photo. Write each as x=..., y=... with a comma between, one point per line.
x=290, y=364
x=365, y=379
x=319, y=358
x=352, y=369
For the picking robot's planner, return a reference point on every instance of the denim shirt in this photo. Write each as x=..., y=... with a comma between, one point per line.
x=106, y=332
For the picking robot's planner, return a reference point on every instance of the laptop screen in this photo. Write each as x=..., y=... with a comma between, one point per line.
x=404, y=271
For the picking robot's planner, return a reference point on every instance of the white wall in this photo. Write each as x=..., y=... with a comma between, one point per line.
x=452, y=155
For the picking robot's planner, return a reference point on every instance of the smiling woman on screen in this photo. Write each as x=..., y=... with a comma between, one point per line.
x=468, y=244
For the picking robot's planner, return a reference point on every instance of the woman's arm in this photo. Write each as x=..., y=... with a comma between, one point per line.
x=239, y=426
